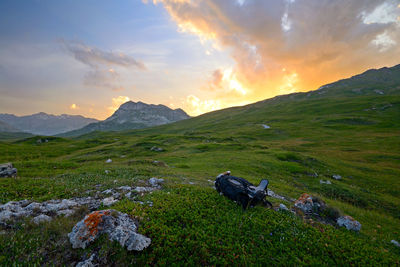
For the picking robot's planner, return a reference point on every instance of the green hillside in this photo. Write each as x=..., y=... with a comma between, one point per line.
x=350, y=128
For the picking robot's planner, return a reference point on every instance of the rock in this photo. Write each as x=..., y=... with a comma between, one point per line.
x=88, y=262
x=106, y=171
x=141, y=189
x=325, y=182
x=109, y=201
x=394, y=242
x=66, y=213
x=272, y=194
x=379, y=92
x=41, y=218
x=7, y=170
x=156, y=149
x=118, y=226
x=155, y=182
x=125, y=188
x=109, y=161
x=349, y=223
x=304, y=203
x=283, y=207
x=336, y=177
x=160, y=163
x=265, y=126
x=108, y=191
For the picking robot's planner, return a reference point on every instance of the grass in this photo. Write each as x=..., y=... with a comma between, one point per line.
x=310, y=139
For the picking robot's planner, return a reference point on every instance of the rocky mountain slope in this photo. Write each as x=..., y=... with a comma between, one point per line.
x=134, y=115
x=45, y=124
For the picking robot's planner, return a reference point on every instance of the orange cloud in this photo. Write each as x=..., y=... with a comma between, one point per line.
x=116, y=102
x=315, y=42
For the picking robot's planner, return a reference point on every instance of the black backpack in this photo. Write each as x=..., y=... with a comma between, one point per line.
x=242, y=191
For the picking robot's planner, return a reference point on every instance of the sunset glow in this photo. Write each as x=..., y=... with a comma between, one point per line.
x=196, y=55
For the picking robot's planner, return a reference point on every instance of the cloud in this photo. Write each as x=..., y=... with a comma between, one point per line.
x=102, y=64
x=116, y=102
x=283, y=46
x=95, y=58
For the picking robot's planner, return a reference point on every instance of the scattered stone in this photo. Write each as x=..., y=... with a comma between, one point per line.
x=109, y=201
x=283, y=207
x=336, y=177
x=41, y=218
x=325, y=182
x=265, y=126
x=108, y=191
x=379, y=92
x=118, y=226
x=349, y=223
x=191, y=183
x=107, y=171
x=394, y=242
x=156, y=149
x=142, y=189
x=155, y=182
x=160, y=163
x=88, y=262
x=7, y=170
x=125, y=188
x=272, y=194
x=109, y=161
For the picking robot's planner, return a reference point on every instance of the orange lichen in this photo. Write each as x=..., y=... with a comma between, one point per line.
x=93, y=220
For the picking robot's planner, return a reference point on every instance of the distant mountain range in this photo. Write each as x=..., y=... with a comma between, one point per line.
x=42, y=123
x=134, y=115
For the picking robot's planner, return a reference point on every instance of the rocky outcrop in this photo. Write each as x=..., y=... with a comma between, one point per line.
x=7, y=170
x=349, y=223
x=118, y=226
x=14, y=210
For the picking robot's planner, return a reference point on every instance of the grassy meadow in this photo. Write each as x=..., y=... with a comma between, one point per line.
x=311, y=138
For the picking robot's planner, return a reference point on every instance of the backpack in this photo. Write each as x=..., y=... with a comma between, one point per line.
x=242, y=191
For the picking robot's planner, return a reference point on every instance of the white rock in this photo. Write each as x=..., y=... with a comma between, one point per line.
x=109, y=201
x=325, y=182
x=108, y=191
x=88, y=262
x=66, y=213
x=394, y=242
x=141, y=189
x=41, y=218
x=125, y=188
x=336, y=177
x=155, y=182
x=107, y=171
x=265, y=126
x=109, y=161
x=349, y=223
x=283, y=207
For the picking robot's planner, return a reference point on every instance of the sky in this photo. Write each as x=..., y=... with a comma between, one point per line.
x=88, y=57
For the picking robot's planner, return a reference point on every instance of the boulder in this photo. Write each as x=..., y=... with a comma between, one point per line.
x=305, y=203
x=349, y=223
x=7, y=170
x=118, y=226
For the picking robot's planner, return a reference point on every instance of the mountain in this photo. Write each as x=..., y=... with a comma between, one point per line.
x=4, y=127
x=45, y=124
x=134, y=115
